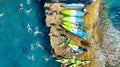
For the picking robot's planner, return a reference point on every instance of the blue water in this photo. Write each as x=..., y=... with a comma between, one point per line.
x=114, y=12
x=14, y=35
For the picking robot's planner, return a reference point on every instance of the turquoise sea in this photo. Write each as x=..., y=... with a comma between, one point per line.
x=15, y=37
x=114, y=12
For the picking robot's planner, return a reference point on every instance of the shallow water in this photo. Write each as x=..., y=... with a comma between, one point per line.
x=14, y=35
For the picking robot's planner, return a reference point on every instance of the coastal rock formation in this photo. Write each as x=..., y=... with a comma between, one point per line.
x=90, y=21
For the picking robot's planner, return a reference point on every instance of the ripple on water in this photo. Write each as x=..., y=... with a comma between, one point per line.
x=114, y=15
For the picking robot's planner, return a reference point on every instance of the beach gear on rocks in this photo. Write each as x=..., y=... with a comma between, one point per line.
x=76, y=25
x=76, y=32
x=72, y=19
x=73, y=5
x=76, y=48
x=72, y=12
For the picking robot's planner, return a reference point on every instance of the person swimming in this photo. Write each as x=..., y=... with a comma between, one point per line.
x=25, y=48
x=31, y=58
x=28, y=2
x=32, y=47
x=28, y=11
x=46, y=59
x=37, y=31
x=1, y=15
x=29, y=28
x=21, y=7
x=38, y=45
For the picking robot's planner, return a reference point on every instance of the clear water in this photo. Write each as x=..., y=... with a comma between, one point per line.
x=14, y=35
x=114, y=12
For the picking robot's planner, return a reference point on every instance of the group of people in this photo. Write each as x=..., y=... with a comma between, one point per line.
x=29, y=29
x=26, y=11
x=66, y=50
x=36, y=30
x=51, y=10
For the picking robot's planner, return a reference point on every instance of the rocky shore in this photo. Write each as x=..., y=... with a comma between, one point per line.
x=91, y=21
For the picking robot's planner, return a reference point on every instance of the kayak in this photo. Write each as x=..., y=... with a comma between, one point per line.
x=73, y=5
x=79, y=63
x=72, y=12
x=63, y=60
x=66, y=61
x=75, y=62
x=76, y=32
x=72, y=19
x=73, y=65
x=76, y=25
x=76, y=48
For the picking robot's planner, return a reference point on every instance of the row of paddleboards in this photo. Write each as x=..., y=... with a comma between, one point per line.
x=73, y=16
x=74, y=5
x=75, y=31
x=71, y=23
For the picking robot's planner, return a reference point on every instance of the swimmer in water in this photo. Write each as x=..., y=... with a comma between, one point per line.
x=21, y=7
x=38, y=45
x=28, y=11
x=28, y=2
x=31, y=47
x=1, y=15
x=36, y=31
x=32, y=58
x=46, y=59
x=29, y=28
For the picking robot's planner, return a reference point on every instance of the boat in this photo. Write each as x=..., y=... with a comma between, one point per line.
x=72, y=19
x=72, y=13
x=74, y=5
x=76, y=25
x=76, y=48
x=75, y=31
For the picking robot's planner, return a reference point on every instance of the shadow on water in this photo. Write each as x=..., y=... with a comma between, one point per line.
x=70, y=1
x=45, y=29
